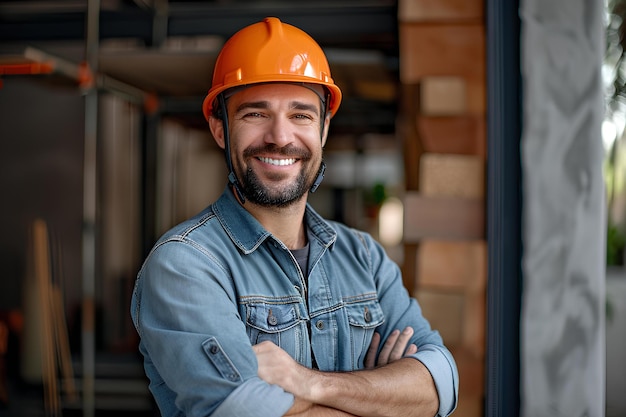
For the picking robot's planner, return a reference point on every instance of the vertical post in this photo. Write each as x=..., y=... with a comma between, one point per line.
x=503, y=208
x=90, y=211
x=150, y=139
x=159, y=22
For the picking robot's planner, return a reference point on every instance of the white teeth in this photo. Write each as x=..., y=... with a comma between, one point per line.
x=278, y=162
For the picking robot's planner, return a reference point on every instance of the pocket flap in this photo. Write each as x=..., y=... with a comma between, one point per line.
x=272, y=318
x=366, y=314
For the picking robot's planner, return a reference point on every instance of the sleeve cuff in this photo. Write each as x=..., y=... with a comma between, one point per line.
x=442, y=368
x=255, y=398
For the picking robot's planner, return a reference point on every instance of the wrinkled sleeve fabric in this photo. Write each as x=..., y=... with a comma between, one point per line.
x=255, y=398
x=197, y=352
x=442, y=368
x=402, y=310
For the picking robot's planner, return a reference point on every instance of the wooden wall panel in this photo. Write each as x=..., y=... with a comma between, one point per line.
x=442, y=123
x=441, y=49
x=441, y=10
x=443, y=175
x=463, y=135
x=451, y=265
x=445, y=313
x=443, y=96
x=443, y=218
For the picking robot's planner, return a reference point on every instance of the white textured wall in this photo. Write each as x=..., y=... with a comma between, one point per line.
x=563, y=319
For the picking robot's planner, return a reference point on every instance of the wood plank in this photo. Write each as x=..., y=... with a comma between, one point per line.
x=458, y=267
x=442, y=217
x=452, y=265
x=443, y=96
x=471, y=371
x=444, y=311
x=407, y=130
x=42, y=270
x=62, y=340
x=408, y=266
x=59, y=323
x=476, y=91
x=441, y=10
x=442, y=49
x=475, y=322
x=464, y=135
x=445, y=175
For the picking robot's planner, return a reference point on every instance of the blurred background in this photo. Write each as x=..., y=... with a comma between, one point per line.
x=103, y=147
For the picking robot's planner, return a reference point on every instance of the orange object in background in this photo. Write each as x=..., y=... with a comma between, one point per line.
x=26, y=68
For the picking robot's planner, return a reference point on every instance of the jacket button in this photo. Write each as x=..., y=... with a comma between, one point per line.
x=271, y=319
x=367, y=315
x=214, y=349
x=319, y=325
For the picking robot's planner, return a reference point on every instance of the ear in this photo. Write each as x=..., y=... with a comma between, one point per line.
x=325, y=132
x=217, y=130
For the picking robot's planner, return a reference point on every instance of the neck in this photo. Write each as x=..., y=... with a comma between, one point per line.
x=285, y=223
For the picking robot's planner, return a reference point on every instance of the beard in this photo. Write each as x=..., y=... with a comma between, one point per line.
x=263, y=195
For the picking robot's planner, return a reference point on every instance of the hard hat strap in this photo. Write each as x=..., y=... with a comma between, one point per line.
x=232, y=178
x=325, y=107
x=322, y=170
x=319, y=178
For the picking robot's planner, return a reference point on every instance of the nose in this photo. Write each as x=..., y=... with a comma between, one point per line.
x=279, y=132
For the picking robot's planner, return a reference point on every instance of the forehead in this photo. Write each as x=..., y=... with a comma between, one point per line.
x=275, y=92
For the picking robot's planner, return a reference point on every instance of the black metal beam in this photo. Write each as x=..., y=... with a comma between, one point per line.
x=504, y=209
x=371, y=25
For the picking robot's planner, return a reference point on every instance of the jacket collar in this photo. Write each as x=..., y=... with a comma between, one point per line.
x=248, y=234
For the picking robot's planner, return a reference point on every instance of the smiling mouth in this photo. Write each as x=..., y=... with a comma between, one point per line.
x=278, y=162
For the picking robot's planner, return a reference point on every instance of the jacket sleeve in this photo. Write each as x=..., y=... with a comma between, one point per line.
x=197, y=354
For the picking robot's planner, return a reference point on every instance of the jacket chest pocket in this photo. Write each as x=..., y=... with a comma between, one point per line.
x=363, y=317
x=281, y=324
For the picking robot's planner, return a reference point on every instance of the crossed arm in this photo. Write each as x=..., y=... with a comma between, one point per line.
x=391, y=385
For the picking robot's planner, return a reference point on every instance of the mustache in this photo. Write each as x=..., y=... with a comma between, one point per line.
x=287, y=151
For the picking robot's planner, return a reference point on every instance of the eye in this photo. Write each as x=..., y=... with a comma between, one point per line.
x=303, y=117
x=252, y=115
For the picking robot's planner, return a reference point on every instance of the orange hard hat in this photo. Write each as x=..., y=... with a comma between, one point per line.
x=271, y=51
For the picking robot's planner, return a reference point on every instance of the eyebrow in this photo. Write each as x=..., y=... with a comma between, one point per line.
x=252, y=105
x=298, y=105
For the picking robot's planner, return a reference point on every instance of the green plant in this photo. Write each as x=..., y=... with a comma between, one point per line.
x=615, y=243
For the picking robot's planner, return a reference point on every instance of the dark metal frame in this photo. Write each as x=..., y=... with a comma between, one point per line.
x=370, y=24
x=504, y=209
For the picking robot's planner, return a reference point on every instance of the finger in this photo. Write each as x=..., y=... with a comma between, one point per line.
x=401, y=344
x=264, y=348
x=260, y=347
x=412, y=349
x=383, y=358
x=370, y=357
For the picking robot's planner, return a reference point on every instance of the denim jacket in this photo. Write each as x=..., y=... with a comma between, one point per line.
x=219, y=283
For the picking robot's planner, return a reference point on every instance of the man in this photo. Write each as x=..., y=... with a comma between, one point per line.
x=259, y=307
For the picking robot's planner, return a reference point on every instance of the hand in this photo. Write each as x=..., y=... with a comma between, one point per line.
x=278, y=368
x=275, y=366
x=395, y=348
